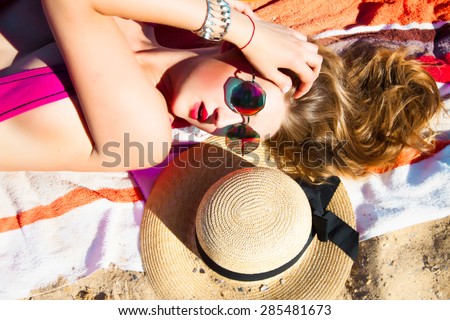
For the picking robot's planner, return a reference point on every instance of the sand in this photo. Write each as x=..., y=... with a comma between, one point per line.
x=412, y=263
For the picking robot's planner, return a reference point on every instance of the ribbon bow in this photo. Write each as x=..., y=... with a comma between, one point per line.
x=327, y=225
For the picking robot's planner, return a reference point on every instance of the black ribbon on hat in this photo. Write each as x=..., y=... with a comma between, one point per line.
x=325, y=224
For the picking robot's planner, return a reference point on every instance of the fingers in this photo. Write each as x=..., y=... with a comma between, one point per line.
x=310, y=46
x=281, y=80
x=307, y=66
x=308, y=71
x=243, y=8
x=289, y=49
x=299, y=35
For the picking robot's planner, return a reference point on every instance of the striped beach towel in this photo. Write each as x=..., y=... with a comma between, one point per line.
x=60, y=227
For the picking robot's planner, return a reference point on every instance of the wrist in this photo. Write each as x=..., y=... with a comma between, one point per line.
x=240, y=30
x=251, y=37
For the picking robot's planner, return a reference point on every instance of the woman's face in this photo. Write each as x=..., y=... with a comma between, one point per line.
x=199, y=95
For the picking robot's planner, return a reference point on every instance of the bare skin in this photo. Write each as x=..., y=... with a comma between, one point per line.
x=69, y=134
x=40, y=133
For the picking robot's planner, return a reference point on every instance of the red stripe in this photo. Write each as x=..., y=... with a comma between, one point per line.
x=438, y=68
x=71, y=200
x=439, y=145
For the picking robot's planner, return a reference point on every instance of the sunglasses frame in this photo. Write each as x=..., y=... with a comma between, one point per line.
x=242, y=137
x=235, y=81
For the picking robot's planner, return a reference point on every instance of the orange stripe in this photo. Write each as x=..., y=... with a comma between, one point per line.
x=411, y=156
x=312, y=17
x=71, y=200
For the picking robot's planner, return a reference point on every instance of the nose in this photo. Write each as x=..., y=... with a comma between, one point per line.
x=224, y=116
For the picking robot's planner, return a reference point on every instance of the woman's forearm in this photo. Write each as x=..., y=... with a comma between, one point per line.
x=184, y=14
x=269, y=47
x=283, y=47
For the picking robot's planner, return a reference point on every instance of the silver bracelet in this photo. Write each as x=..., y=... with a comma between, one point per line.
x=217, y=21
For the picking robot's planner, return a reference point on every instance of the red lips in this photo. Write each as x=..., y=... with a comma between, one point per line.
x=202, y=113
x=193, y=114
x=199, y=112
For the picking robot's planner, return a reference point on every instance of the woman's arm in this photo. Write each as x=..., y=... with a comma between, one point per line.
x=272, y=47
x=116, y=97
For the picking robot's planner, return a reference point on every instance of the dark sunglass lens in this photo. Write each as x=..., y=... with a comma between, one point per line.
x=248, y=98
x=242, y=139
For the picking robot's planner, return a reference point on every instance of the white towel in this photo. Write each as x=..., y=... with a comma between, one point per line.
x=405, y=196
x=65, y=225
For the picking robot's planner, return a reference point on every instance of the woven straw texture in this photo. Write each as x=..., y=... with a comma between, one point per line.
x=169, y=252
x=253, y=220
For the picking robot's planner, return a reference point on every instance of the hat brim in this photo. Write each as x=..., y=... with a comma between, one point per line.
x=170, y=256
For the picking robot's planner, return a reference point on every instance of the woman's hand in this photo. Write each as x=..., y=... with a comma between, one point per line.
x=242, y=7
x=274, y=46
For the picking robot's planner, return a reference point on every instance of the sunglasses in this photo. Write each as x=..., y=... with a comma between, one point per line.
x=246, y=98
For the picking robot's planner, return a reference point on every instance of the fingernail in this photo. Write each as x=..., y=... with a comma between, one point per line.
x=299, y=94
x=286, y=89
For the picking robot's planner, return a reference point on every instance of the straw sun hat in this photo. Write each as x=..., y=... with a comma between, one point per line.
x=218, y=225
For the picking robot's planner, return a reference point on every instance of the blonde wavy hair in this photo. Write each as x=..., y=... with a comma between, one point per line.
x=365, y=108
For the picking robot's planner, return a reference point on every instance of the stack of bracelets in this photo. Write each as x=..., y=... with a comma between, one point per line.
x=217, y=22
